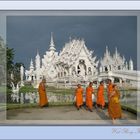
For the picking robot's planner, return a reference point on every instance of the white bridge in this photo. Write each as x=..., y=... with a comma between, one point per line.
x=132, y=77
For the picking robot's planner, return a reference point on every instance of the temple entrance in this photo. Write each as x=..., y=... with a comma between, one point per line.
x=81, y=68
x=106, y=69
x=32, y=78
x=119, y=67
x=116, y=80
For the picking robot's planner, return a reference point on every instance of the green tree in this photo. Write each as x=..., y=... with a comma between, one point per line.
x=10, y=57
x=10, y=65
x=2, y=62
x=12, y=68
x=16, y=72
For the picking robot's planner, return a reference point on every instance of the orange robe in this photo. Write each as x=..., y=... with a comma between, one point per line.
x=89, y=102
x=114, y=107
x=79, y=97
x=100, y=96
x=42, y=95
x=109, y=89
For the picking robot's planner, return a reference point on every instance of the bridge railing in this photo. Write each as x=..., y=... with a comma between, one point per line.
x=129, y=99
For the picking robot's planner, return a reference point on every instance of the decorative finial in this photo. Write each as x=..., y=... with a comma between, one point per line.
x=52, y=46
x=70, y=38
x=116, y=52
x=107, y=52
x=37, y=54
x=123, y=58
x=131, y=67
x=31, y=63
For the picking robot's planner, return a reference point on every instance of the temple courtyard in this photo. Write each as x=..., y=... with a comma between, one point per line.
x=57, y=115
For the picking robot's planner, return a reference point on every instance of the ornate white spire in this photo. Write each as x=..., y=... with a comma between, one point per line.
x=21, y=75
x=37, y=55
x=31, y=65
x=130, y=59
x=126, y=65
x=107, y=52
x=37, y=61
x=123, y=58
x=52, y=45
x=116, y=52
x=131, y=67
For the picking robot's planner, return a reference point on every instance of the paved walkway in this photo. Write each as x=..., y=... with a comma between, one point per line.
x=66, y=115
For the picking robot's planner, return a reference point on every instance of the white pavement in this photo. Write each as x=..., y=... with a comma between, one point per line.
x=65, y=115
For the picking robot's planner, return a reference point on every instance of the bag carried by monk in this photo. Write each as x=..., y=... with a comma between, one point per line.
x=116, y=100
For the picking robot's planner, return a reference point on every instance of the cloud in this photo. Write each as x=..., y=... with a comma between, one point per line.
x=27, y=33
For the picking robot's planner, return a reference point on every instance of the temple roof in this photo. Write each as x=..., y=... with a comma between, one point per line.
x=115, y=59
x=71, y=52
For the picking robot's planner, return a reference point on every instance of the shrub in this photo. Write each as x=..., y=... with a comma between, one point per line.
x=27, y=88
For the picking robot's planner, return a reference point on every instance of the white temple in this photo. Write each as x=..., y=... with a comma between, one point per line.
x=74, y=63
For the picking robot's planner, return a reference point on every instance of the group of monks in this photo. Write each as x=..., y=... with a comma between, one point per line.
x=79, y=96
x=114, y=107
x=89, y=94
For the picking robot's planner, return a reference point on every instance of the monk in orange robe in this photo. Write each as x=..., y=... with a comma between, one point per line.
x=89, y=92
x=100, y=95
x=114, y=107
x=79, y=96
x=43, y=101
x=109, y=88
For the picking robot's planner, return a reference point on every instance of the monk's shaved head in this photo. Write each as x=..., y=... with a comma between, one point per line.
x=79, y=85
x=91, y=83
x=44, y=80
x=109, y=81
x=101, y=82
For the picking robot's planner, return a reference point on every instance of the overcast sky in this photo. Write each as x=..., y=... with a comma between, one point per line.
x=26, y=34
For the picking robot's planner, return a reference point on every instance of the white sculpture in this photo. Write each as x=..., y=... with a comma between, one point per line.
x=131, y=67
x=12, y=76
x=15, y=89
x=13, y=97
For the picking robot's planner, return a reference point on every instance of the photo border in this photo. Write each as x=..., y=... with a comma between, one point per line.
x=120, y=135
